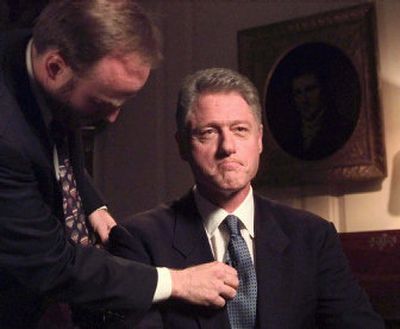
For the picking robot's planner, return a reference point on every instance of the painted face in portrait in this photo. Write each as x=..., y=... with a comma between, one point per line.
x=306, y=92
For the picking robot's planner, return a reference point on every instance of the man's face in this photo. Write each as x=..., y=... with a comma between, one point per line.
x=307, y=94
x=225, y=142
x=99, y=95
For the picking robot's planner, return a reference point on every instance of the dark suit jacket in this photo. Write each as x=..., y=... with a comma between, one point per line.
x=36, y=261
x=304, y=281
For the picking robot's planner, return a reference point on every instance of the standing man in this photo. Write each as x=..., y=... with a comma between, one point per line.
x=292, y=271
x=85, y=59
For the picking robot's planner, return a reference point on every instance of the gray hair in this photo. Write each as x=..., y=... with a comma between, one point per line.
x=84, y=31
x=214, y=80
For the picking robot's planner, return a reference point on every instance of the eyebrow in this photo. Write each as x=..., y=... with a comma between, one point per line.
x=229, y=123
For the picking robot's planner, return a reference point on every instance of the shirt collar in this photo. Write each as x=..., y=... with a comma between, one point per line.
x=213, y=215
x=46, y=113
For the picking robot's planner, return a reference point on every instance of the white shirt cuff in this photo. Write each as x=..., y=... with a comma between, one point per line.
x=164, y=285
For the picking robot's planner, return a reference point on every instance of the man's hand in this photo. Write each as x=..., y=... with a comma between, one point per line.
x=208, y=284
x=102, y=223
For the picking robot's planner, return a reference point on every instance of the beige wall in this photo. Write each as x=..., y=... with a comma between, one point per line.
x=137, y=165
x=381, y=210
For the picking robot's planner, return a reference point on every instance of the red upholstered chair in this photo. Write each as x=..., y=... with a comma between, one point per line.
x=374, y=258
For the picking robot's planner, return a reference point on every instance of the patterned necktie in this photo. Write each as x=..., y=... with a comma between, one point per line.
x=242, y=309
x=75, y=219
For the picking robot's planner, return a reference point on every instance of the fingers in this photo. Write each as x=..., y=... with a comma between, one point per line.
x=219, y=302
x=102, y=222
x=231, y=278
x=230, y=282
x=208, y=284
x=229, y=270
x=227, y=293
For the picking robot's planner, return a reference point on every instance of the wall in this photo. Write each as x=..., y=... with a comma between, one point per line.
x=380, y=210
x=136, y=161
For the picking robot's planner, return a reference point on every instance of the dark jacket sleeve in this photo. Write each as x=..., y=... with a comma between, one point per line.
x=34, y=251
x=128, y=245
x=342, y=303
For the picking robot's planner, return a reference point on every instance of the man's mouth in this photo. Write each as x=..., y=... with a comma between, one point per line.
x=230, y=165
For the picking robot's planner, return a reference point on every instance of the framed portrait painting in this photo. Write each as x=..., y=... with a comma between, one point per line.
x=317, y=80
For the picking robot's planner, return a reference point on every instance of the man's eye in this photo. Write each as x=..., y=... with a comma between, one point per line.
x=241, y=129
x=205, y=134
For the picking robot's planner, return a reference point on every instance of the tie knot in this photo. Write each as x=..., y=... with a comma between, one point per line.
x=233, y=224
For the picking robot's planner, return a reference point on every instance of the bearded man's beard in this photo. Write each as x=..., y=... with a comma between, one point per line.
x=60, y=105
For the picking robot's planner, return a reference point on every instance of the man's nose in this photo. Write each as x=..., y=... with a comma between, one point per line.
x=227, y=145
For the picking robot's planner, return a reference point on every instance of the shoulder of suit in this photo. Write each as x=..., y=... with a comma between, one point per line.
x=12, y=46
x=162, y=216
x=284, y=213
x=151, y=217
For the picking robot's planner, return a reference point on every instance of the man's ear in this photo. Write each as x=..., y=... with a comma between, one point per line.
x=260, y=138
x=57, y=71
x=183, y=146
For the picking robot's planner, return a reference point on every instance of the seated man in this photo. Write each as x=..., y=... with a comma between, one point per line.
x=292, y=271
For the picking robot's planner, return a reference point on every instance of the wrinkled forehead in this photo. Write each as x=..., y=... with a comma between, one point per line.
x=227, y=95
x=220, y=107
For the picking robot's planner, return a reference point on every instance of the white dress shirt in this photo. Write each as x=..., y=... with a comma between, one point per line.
x=218, y=235
x=164, y=282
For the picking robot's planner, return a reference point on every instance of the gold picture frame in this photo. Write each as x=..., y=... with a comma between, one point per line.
x=349, y=153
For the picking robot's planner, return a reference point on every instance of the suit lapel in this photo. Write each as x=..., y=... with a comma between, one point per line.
x=272, y=269
x=190, y=239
